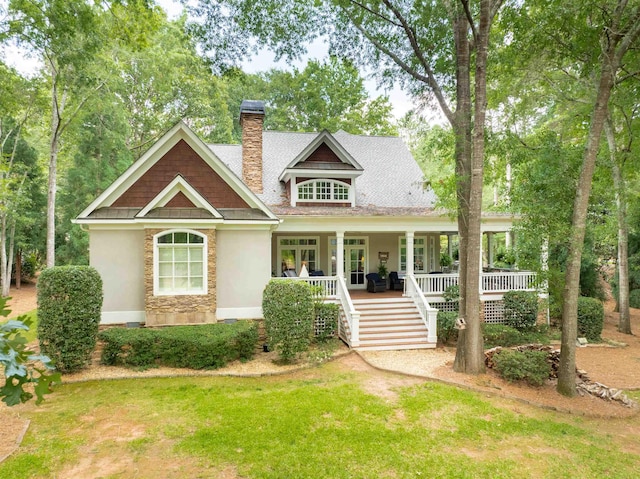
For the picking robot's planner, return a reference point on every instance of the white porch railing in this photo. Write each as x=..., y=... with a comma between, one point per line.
x=351, y=315
x=437, y=284
x=428, y=314
x=328, y=284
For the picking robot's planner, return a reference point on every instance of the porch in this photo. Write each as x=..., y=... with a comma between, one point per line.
x=408, y=319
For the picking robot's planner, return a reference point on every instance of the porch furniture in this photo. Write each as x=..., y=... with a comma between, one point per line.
x=375, y=284
x=317, y=272
x=395, y=283
x=290, y=273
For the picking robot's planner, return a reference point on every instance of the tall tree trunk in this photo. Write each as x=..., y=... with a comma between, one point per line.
x=567, y=368
x=4, y=280
x=12, y=235
x=18, y=268
x=57, y=108
x=624, y=321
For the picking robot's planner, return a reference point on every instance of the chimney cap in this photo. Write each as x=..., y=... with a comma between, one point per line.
x=255, y=107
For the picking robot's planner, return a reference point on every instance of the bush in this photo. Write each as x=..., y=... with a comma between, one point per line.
x=69, y=304
x=288, y=317
x=634, y=298
x=447, y=326
x=326, y=321
x=506, y=336
x=590, y=318
x=206, y=346
x=520, y=309
x=529, y=366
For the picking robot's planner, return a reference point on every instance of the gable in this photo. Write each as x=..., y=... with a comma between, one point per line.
x=182, y=160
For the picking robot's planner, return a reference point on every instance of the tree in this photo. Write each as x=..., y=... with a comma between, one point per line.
x=437, y=49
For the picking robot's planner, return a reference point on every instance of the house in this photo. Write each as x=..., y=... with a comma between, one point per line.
x=191, y=233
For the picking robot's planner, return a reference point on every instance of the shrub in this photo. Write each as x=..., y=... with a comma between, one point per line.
x=590, y=318
x=206, y=346
x=529, y=366
x=634, y=298
x=447, y=326
x=69, y=304
x=506, y=336
x=288, y=317
x=326, y=321
x=520, y=309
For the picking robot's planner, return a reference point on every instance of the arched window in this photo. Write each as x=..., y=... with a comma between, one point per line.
x=180, y=263
x=324, y=191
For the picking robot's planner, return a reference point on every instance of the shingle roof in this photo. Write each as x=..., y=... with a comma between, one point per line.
x=391, y=177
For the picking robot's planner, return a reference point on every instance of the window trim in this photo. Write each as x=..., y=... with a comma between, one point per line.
x=297, y=247
x=156, y=263
x=424, y=255
x=295, y=191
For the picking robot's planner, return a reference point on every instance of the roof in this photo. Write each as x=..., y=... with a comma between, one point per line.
x=116, y=213
x=391, y=177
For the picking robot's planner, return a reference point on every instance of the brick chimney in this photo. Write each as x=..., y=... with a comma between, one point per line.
x=251, y=121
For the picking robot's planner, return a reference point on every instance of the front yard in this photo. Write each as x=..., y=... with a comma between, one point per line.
x=343, y=419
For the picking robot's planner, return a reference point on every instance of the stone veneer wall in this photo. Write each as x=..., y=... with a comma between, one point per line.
x=180, y=309
x=252, y=150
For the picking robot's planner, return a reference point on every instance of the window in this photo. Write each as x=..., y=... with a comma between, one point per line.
x=294, y=252
x=418, y=255
x=323, y=191
x=180, y=263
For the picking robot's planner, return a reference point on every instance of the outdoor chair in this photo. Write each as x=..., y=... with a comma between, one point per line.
x=375, y=284
x=317, y=272
x=395, y=283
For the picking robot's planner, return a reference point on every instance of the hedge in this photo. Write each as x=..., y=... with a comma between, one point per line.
x=634, y=298
x=69, y=305
x=529, y=366
x=590, y=318
x=208, y=346
x=506, y=336
x=520, y=309
x=288, y=310
x=446, y=328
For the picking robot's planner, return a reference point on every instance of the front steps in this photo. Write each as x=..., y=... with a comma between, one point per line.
x=390, y=324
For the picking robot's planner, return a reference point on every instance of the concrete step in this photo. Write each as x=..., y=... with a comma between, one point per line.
x=394, y=347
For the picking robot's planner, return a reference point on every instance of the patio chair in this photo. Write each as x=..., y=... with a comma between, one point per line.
x=375, y=284
x=317, y=272
x=290, y=273
x=395, y=283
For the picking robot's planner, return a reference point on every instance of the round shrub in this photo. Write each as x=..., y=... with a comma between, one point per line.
x=590, y=318
x=69, y=304
x=529, y=366
x=447, y=326
x=634, y=298
x=520, y=309
x=287, y=306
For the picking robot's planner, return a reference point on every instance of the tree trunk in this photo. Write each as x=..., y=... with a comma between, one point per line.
x=9, y=258
x=18, y=268
x=567, y=368
x=624, y=321
x=56, y=112
x=4, y=280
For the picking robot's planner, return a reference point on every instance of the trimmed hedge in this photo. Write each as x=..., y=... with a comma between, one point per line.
x=288, y=317
x=520, y=309
x=69, y=305
x=506, y=336
x=634, y=298
x=207, y=346
x=447, y=326
x=529, y=366
x=590, y=318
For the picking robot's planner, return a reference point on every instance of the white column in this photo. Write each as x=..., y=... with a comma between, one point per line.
x=490, y=249
x=340, y=253
x=409, y=238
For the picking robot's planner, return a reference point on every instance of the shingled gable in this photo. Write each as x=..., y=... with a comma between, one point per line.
x=119, y=195
x=337, y=163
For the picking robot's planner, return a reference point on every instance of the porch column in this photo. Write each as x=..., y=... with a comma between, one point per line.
x=449, y=246
x=340, y=253
x=409, y=238
x=489, y=249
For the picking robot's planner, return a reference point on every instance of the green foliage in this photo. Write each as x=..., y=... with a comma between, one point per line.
x=590, y=318
x=19, y=363
x=208, y=346
x=445, y=260
x=326, y=321
x=529, y=366
x=451, y=293
x=69, y=305
x=288, y=317
x=520, y=309
x=446, y=326
x=506, y=336
x=634, y=298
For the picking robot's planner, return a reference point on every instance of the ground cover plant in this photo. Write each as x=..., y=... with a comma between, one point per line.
x=333, y=421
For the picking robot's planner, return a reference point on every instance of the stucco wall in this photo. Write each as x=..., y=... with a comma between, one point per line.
x=119, y=258
x=243, y=270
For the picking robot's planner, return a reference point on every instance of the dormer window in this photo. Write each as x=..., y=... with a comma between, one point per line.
x=324, y=191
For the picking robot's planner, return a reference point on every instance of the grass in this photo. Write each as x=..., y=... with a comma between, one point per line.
x=318, y=423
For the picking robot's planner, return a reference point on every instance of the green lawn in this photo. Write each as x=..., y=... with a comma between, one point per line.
x=318, y=423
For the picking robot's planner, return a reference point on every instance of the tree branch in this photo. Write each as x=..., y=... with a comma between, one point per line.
x=467, y=12
x=374, y=13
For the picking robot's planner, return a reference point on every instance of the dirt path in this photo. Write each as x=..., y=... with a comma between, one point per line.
x=22, y=300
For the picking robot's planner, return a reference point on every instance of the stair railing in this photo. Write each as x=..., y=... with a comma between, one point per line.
x=428, y=313
x=352, y=316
